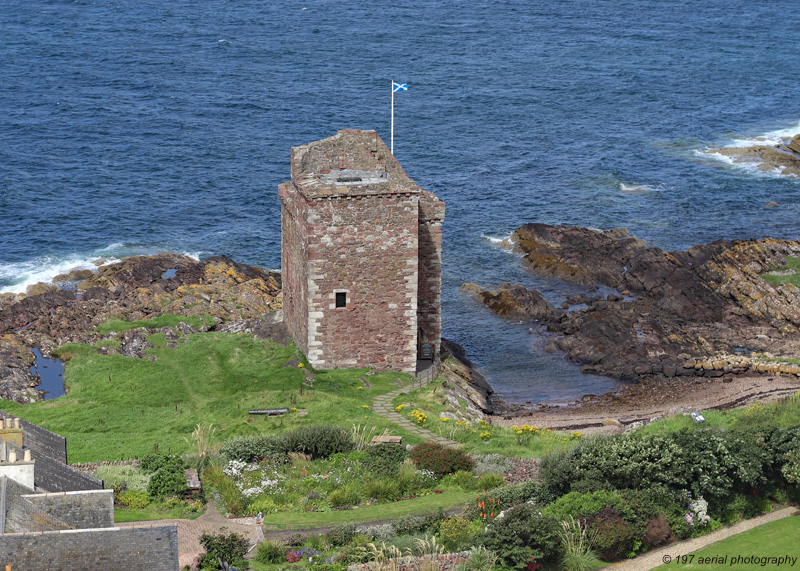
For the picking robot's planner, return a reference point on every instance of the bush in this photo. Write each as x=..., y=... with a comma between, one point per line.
x=521, y=534
x=490, y=463
x=510, y=495
x=229, y=547
x=127, y=477
x=382, y=489
x=408, y=525
x=270, y=552
x=658, y=532
x=456, y=533
x=232, y=498
x=349, y=495
x=169, y=480
x=252, y=448
x=439, y=459
x=134, y=499
x=384, y=459
x=490, y=481
x=154, y=462
x=341, y=535
x=464, y=480
x=320, y=441
x=614, y=535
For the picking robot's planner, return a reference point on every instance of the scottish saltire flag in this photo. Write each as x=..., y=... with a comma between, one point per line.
x=399, y=87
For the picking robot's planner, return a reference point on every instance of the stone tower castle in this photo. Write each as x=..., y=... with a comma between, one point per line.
x=361, y=256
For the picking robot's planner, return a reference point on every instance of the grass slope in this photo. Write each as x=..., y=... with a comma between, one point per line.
x=773, y=539
x=120, y=407
x=792, y=265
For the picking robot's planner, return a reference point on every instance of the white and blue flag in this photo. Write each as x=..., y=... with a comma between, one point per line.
x=399, y=87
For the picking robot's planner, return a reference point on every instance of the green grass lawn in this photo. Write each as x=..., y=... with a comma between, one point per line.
x=120, y=407
x=792, y=265
x=773, y=414
x=376, y=512
x=774, y=539
x=154, y=512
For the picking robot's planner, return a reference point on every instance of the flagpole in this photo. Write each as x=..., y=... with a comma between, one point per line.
x=392, y=137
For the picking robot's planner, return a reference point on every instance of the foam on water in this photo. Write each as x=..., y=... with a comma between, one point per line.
x=17, y=277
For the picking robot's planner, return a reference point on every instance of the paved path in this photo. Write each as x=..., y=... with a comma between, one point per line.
x=383, y=406
x=190, y=530
x=653, y=559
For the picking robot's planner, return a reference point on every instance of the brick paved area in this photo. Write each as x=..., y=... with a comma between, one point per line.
x=190, y=530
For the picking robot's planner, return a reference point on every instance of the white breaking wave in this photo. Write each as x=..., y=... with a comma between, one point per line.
x=505, y=243
x=768, y=139
x=16, y=277
x=639, y=188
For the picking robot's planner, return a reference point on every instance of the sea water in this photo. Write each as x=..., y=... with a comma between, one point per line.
x=142, y=126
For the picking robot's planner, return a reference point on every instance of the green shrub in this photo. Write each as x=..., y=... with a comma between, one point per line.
x=349, y=495
x=384, y=459
x=382, y=489
x=522, y=533
x=432, y=521
x=457, y=533
x=558, y=468
x=439, y=459
x=151, y=463
x=229, y=547
x=232, y=498
x=511, y=495
x=252, y=448
x=127, y=477
x=320, y=441
x=614, y=536
x=134, y=499
x=270, y=552
x=464, y=480
x=341, y=535
x=167, y=481
x=408, y=525
x=490, y=481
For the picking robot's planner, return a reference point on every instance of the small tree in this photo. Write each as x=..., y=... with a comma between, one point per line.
x=223, y=549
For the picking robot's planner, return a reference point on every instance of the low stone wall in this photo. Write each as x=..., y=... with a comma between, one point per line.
x=113, y=549
x=91, y=467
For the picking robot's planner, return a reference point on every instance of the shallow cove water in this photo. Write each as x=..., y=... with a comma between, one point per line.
x=51, y=373
x=141, y=126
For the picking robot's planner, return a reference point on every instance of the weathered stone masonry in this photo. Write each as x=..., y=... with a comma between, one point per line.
x=361, y=255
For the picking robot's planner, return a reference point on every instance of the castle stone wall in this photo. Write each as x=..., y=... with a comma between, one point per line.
x=355, y=224
x=366, y=247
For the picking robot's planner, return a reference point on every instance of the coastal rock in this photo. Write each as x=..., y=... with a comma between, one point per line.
x=140, y=287
x=17, y=383
x=40, y=288
x=794, y=144
x=783, y=157
x=516, y=302
x=468, y=384
x=687, y=308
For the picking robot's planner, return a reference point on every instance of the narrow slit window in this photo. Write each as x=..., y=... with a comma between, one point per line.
x=341, y=299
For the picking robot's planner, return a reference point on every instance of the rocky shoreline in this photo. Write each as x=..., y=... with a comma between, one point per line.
x=235, y=295
x=676, y=316
x=783, y=158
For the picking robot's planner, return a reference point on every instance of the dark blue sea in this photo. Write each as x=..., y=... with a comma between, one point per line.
x=143, y=126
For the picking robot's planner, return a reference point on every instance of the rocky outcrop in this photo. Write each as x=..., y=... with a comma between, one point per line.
x=17, y=383
x=464, y=383
x=135, y=288
x=783, y=157
x=515, y=302
x=678, y=308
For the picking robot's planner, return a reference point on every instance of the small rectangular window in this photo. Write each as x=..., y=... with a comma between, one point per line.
x=341, y=299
